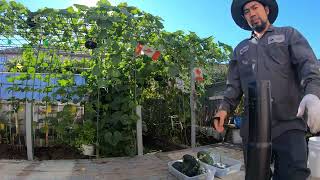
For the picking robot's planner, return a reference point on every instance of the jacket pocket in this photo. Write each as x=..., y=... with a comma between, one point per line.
x=277, y=59
x=278, y=53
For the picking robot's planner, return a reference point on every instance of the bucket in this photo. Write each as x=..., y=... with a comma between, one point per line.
x=314, y=156
x=314, y=140
x=87, y=150
x=236, y=138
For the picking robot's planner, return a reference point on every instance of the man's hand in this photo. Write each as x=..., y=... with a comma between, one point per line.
x=311, y=103
x=219, y=119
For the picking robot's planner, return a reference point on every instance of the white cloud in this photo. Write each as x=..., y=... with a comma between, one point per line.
x=91, y=3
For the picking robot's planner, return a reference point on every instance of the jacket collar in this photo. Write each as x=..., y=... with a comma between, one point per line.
x=270, y=29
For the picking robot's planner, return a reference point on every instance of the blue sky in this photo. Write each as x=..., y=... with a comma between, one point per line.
x=212, y=17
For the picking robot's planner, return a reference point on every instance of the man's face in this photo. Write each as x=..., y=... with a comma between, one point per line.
x=256, y=15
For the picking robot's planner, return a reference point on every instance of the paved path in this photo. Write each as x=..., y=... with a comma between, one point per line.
x=147, y=167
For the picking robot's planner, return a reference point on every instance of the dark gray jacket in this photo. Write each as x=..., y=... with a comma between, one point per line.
x=284, y=57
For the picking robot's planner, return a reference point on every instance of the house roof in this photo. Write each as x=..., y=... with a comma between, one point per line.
x=19, y=50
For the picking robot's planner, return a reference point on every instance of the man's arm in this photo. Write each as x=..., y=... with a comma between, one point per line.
x=308, y=70
x=232, y=94
x=306, y=63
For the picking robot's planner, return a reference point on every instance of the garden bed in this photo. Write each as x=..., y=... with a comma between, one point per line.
x=156, y=144
x=40, y=153
x=58, y=152
x=12, y=152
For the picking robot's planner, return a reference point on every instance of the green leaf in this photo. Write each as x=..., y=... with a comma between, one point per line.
x=63, y=12
x=47, y=89
x=38, y=76
x=116, y=73
x=108, y=137
x=113, y=138
x=81, y=7
x=124, y=119
x=116, y=107
x=115, y=58
x=115, y=19
x=96, y=70
x=103, y=3
x=122, y=4
x=22, y=76
x=46, y=43
x=116, y=115
x=70, y=10
x=134, y=117
x=173, y=71
x=135, y=11
x=116, y=47
x=63, y=82
x=76, y=44
x=3, y=5
x=116, y=137
x=46, y=99
x=45, y=65
x=107, y=24
x=31, y=70
x=101, y=83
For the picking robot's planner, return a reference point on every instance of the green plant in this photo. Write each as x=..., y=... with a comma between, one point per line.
x=205, y=157
x=85, y=134
x=240, y=108
x=63, y=125
x=189, y=166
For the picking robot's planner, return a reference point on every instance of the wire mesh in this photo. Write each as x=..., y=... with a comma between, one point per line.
x=41, y=83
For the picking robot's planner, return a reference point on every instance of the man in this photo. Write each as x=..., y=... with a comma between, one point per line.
x=284, y=57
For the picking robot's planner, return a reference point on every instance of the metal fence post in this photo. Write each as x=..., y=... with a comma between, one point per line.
x=29, y=111
x=139, y=131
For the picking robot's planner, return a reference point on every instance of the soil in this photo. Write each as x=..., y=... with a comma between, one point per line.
x=40, y=153
x=153, y=144
x=19, y=152
x=13, y=152
x=58, y=152
x=207, y=140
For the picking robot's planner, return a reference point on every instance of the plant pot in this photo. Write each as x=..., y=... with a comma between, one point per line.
x=87, y=149
x=236, y=138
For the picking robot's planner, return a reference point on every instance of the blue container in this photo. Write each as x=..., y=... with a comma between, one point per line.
x=237, y=120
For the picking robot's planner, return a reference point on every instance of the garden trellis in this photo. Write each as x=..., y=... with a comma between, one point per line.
x=83, y=57
x=29, y=77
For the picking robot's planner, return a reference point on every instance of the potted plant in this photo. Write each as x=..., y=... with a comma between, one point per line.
x=86, y=135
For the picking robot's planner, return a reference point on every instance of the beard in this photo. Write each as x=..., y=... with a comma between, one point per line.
x=259, y=27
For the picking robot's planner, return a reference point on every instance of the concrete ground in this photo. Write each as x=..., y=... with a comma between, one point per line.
x=147, y=167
